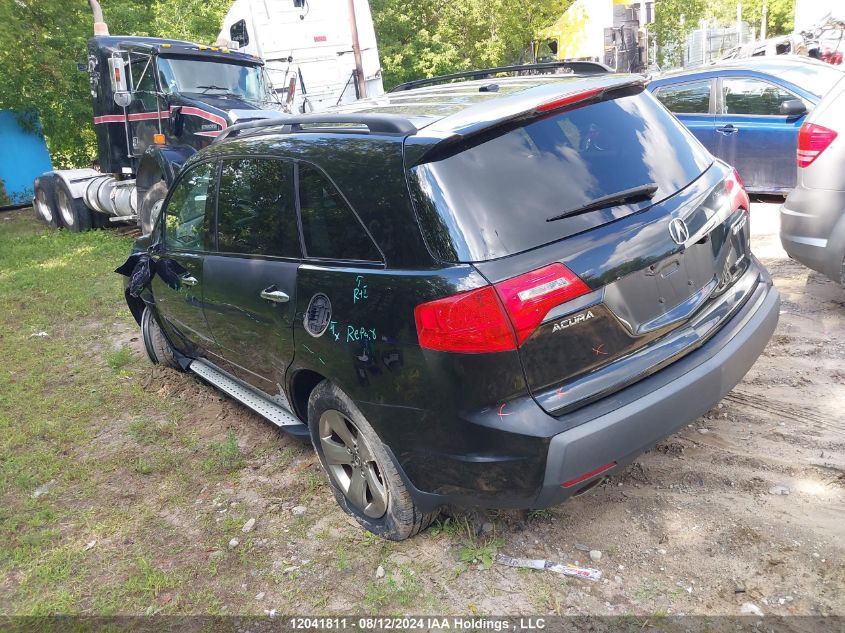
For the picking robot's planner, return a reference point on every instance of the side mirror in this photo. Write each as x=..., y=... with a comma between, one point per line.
x=123, y=98
x=178, y=120
x=793, y=108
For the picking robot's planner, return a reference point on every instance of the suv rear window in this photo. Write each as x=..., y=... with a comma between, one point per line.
x=492, y=199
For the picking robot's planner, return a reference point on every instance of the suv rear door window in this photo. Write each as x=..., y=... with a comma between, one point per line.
x=752, y=96
x=330, y=228
x=189, y=212
x=493, y=198
x=690, y=97
x=256, y=213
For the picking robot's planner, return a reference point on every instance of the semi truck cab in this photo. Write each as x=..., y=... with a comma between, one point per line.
x=155, y=103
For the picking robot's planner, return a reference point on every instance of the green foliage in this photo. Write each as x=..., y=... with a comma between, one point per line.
x=423, y=38
x=674, y=19
x=479, y=553
x=225, y=456
x=4, y=197
x=44, y=40
x=120, y=358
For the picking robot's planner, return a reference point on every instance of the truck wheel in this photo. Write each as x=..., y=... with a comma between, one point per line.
x=365, y=480
x=150, y=207
x=156, y=345
x=44, y=202
x=73, y=214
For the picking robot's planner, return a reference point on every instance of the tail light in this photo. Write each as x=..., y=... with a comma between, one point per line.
x=569, y=100
x=496, y=318
x=813, y=140
x=736, y=192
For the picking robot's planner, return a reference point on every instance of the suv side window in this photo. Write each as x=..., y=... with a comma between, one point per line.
x=189, y=212
x=330, y=228
x=256, y=213
x=752, y=96
x=691, y=97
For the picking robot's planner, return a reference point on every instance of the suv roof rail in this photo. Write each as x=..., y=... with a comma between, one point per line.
x=579, y=67
x=388, y=124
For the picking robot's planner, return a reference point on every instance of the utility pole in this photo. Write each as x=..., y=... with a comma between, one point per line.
x=360, y=80
x=763, y=21
x=738, y=23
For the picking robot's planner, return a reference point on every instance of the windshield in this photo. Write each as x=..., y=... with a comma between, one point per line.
x=496, y=197
x=213, y=78
x=814, y=78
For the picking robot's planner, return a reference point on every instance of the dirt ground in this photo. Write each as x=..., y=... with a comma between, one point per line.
x=746, y=505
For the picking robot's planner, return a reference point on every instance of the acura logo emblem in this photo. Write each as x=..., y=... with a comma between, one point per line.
x=679, y=231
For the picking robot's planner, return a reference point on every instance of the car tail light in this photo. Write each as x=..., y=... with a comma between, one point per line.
x=529, y=297
x=736, y=192
x=469, y=322
x=496, y=318
x=813, y=140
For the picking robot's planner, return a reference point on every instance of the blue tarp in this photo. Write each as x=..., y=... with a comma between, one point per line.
x=23, y=156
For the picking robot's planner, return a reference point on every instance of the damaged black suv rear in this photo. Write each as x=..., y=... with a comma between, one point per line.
x=492, y=299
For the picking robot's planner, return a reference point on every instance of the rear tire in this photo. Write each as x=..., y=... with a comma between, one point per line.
x=44, y=201
x=364, y=478
x=73, y=214
x=156, y=344
x=150, y=207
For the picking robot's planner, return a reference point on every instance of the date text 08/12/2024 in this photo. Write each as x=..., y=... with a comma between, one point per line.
x=410, y=623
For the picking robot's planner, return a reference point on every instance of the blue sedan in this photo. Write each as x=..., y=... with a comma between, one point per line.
x=748, y=112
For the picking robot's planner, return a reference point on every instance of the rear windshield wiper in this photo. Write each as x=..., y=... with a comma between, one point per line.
x=635, y=194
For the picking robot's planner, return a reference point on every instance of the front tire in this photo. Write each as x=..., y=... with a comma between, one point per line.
x=73, y=214
x=156, y=344
x=150, y=206
x=364, y=478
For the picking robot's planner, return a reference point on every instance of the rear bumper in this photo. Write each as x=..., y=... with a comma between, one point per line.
x=615, y=429
x=668, y=400
x=812, y=229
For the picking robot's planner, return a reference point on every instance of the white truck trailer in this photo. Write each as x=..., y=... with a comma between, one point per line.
x=317, y=53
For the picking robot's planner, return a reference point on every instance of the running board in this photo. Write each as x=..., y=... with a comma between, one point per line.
x=247, y=396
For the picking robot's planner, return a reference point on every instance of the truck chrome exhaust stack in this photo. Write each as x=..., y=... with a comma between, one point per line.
x=100, y=26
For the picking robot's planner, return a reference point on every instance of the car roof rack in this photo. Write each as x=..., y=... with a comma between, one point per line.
x=387, y=124
x=577, y=67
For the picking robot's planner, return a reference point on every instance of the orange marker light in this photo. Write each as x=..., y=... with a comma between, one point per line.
x=158, y=139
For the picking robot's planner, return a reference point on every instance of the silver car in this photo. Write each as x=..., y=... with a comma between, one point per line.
x=812, y=219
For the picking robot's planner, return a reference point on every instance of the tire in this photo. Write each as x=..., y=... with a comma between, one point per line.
x=73, y=214
x=150, y=206
x=44, y=202
x=383, y=506
x=156, y=344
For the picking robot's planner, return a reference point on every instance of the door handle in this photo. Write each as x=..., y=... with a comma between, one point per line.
x=188, y=280
x=274, y=295
x=728, y=129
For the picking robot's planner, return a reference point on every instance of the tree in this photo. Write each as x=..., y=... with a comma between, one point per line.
x=675, y=19
x=44, y=40
x=423, y=38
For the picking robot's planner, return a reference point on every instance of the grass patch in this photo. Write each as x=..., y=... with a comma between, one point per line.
x=225, y=456
x=120, y=358
x=128, y=526
x=398, y=589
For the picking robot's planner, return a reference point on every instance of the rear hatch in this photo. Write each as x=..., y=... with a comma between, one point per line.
x=614, y=241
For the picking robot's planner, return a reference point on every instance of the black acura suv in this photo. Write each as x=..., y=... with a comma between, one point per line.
x=488, y=293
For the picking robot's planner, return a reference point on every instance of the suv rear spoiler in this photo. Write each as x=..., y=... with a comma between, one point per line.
x=574, y=67
x=517, y=109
